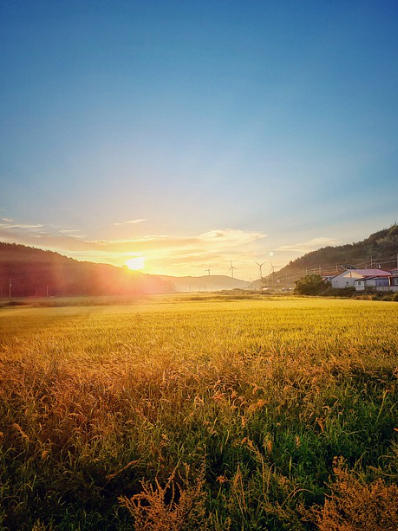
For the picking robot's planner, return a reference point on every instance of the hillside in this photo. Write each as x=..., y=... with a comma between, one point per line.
x=378, y=250
x=26, y=271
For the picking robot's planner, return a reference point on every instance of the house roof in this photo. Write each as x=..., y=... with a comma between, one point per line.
x=371, y=278
x=365, y=273
x=327, y=274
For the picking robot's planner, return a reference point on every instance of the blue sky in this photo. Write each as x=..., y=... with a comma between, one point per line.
x=197, y=132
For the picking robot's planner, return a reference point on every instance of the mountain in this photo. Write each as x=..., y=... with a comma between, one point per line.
x=379, y=250
x=205, y=283
x=26, y=271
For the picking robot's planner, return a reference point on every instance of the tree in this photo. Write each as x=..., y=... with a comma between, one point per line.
x=311, y=285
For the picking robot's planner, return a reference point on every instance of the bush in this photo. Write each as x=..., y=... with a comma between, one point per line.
x=355, y=506
x=311, y=285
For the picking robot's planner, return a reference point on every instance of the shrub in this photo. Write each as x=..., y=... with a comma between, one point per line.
x=311, y=285
x=178, y=506
x=355, y=506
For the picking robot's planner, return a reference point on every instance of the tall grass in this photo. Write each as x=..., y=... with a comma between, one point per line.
x=174, y=414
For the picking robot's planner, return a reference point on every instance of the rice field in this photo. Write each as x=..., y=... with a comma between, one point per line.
x=209, y=412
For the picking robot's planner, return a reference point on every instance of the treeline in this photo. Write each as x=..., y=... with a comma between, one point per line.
x=27, y=272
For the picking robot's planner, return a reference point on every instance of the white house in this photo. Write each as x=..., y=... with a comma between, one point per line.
x=359, y=284
x=348, y=277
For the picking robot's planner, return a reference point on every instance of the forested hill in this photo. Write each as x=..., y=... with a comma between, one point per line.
x=378, y=250
x=26, y=271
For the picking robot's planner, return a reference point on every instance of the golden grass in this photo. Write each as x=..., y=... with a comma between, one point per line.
x=108, y=403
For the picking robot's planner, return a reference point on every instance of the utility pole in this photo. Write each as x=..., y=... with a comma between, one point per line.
x=9, y=288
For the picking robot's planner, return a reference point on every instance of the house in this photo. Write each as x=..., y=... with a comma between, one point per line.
x=376, y=283
x=348, y=277
x=394, y=281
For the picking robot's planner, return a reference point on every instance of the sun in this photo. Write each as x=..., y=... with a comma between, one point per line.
x=136, y=263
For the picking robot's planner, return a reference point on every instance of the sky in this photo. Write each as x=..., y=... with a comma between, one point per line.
x=197, y=133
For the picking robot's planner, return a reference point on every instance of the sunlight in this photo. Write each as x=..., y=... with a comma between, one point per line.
x=136, y=263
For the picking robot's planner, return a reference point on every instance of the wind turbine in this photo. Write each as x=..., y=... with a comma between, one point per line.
x=260, y=268
x=273, y=272
x=208, y=270
x=232, y=270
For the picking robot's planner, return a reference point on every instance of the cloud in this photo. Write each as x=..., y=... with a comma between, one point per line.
x=310, y=245
x=232, y=236
x=19, y=226
x=129, y=222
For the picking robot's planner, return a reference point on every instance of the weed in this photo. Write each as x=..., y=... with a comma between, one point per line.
x=177, y=506
x=353, y=505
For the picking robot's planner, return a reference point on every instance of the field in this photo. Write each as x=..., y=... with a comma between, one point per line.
x=182, y=413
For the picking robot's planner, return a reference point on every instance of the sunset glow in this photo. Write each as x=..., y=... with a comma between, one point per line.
x=136, y=264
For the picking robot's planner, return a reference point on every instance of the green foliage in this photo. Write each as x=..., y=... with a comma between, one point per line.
x=310, y=285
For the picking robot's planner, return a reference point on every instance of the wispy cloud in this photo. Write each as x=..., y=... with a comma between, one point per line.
x=12, y=225
x=310, y=245
x=129, y=222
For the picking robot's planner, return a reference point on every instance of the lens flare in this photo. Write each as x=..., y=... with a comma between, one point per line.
x=135, y=264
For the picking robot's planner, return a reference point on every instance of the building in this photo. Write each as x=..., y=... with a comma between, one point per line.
x=376, y=283
x=328, y=276
x=394, y=281
x=351, y=276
